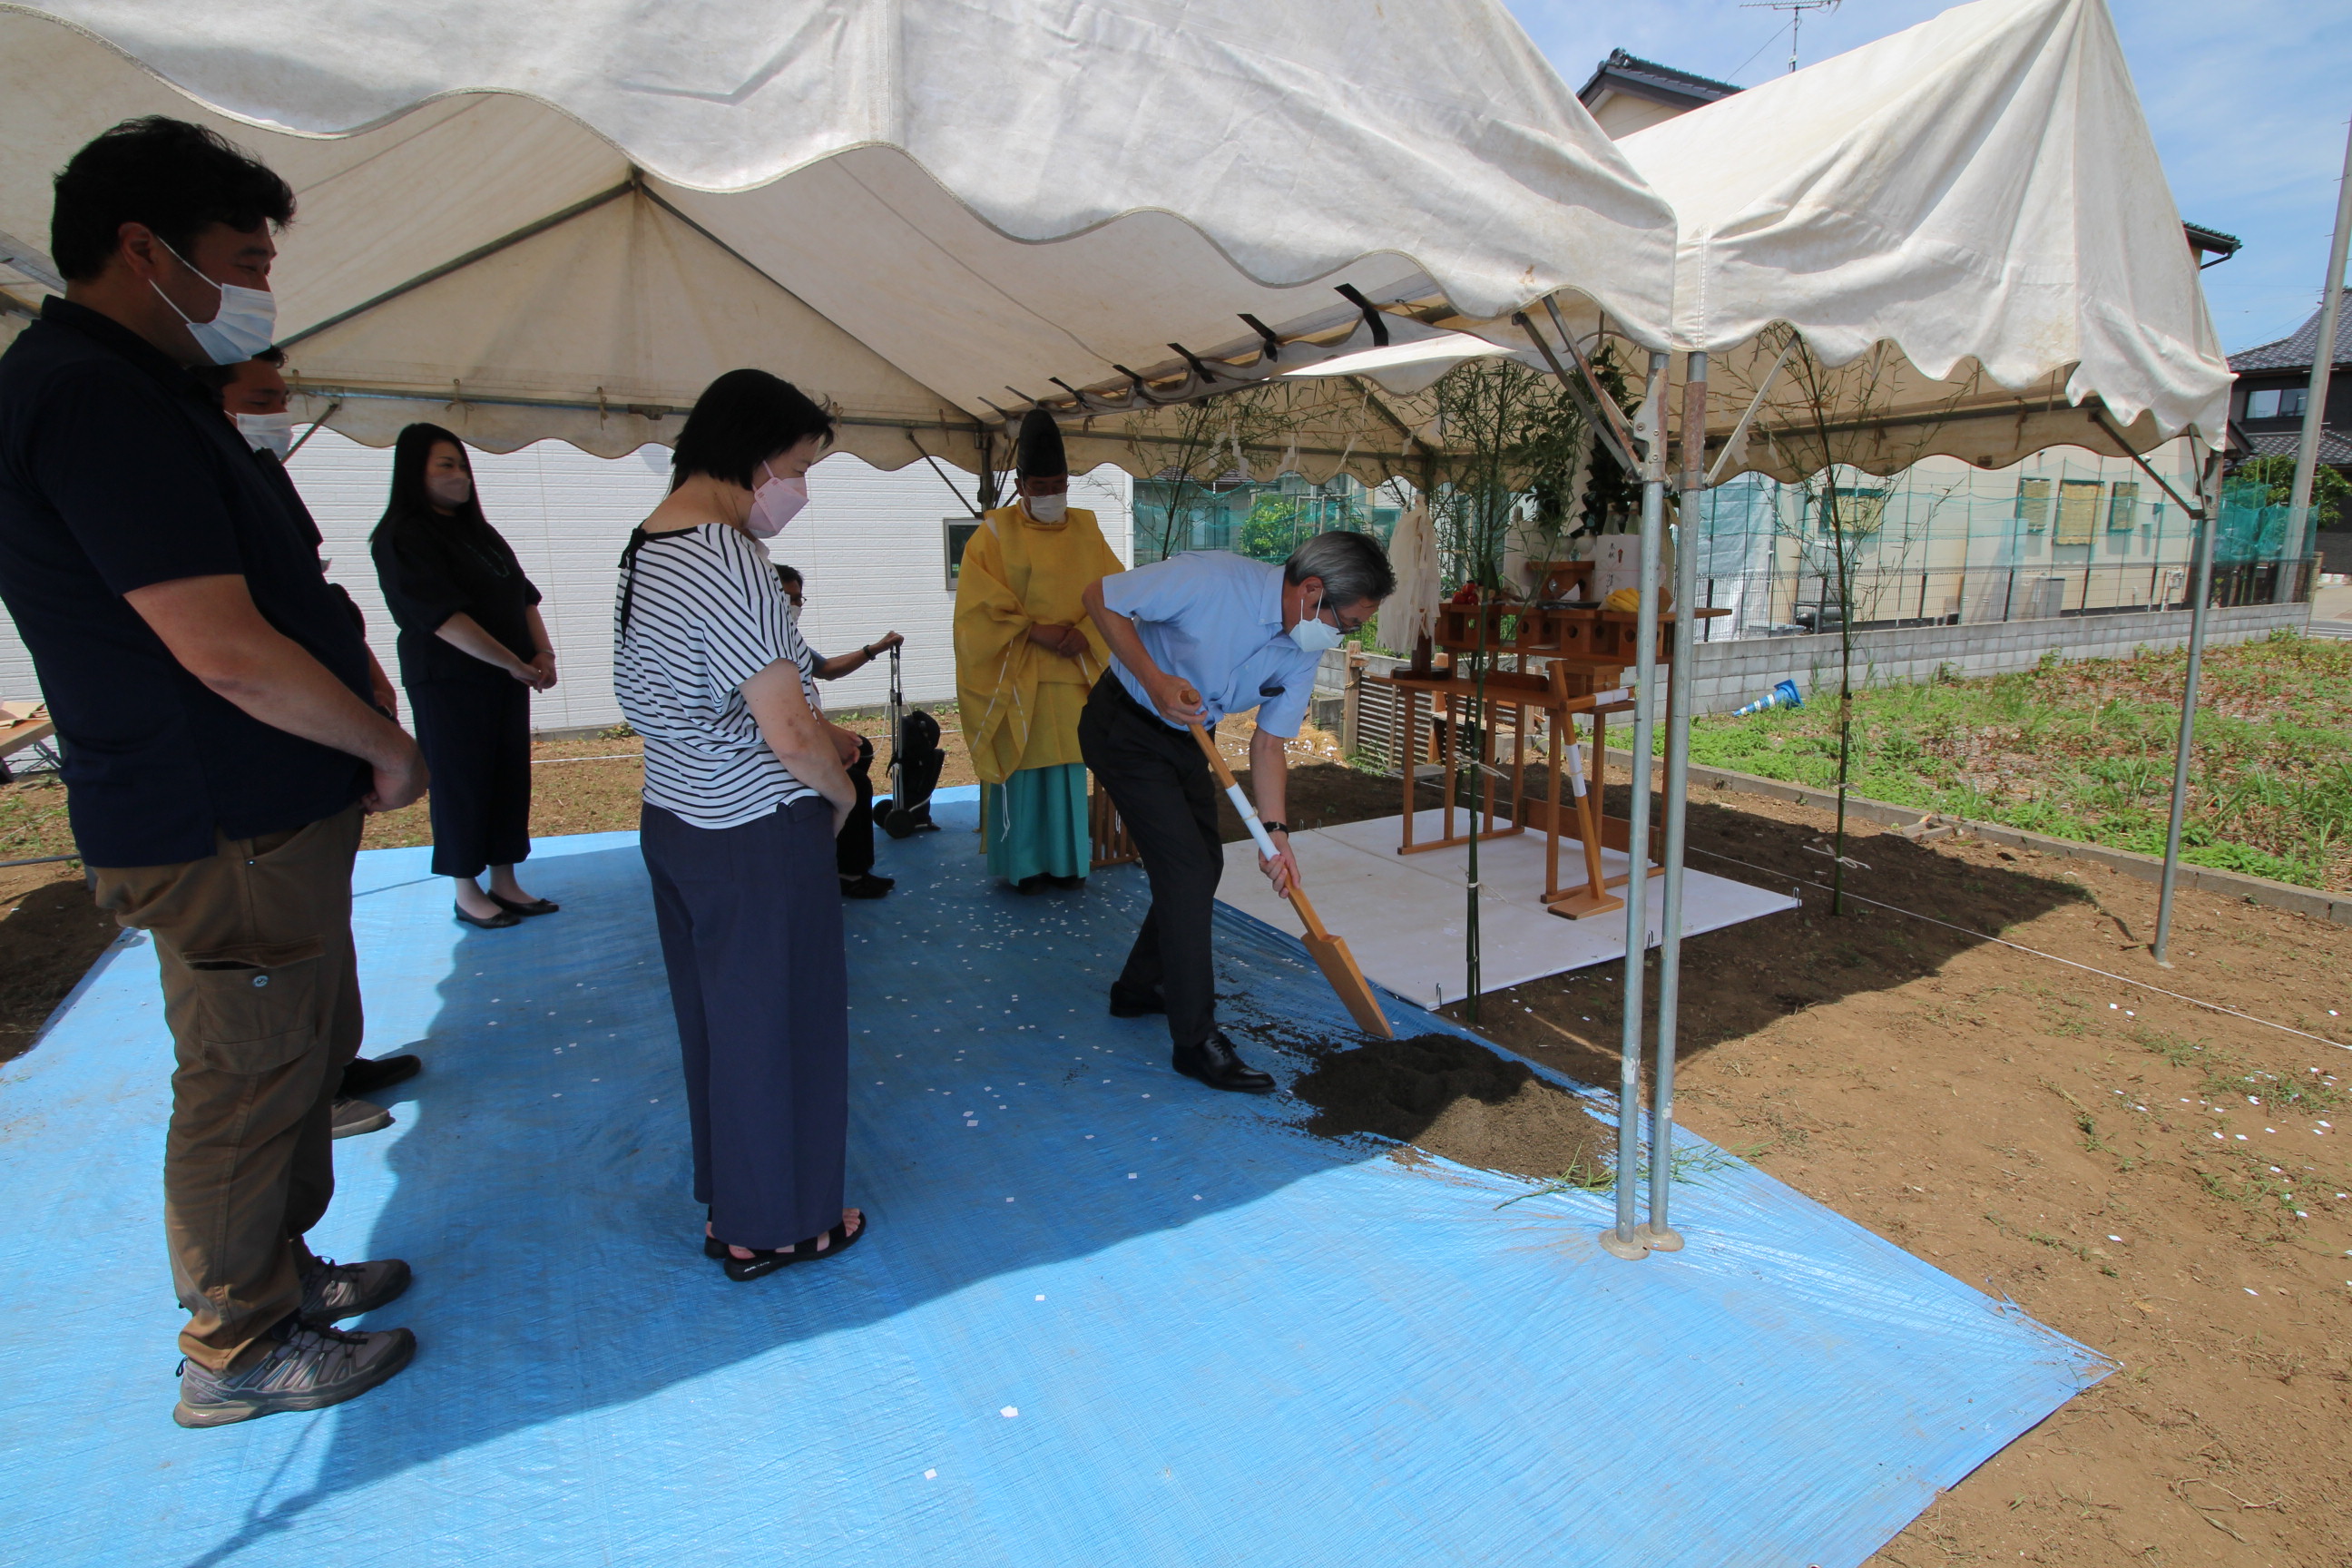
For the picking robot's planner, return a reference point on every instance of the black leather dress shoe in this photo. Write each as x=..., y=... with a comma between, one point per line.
x=1128, y=1003
x=363, y=1076
x=1213, y=1062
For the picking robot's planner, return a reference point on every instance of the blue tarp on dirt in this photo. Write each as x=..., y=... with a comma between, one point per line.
x=1105, y=1318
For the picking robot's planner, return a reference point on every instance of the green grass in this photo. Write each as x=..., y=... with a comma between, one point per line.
x=33, y=819
x=2083, y=750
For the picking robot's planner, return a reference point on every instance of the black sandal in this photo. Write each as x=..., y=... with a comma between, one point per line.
x=498, y=921
x=760, y=1265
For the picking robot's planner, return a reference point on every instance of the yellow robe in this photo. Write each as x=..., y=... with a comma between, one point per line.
x=1019, y=704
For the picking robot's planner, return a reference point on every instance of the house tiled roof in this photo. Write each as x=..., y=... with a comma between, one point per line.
x=1648, y=79
x=2212, y=239
x=2297, y=350
x=2335, y=447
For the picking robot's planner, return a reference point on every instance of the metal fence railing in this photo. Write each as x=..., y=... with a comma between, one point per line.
x=1796, y=602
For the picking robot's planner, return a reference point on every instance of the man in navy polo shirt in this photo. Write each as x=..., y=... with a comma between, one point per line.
x=220, y=750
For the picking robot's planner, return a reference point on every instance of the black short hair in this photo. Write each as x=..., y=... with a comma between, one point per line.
x=788, y=576
x=741, y=420
x=176, y=178
x=219, y=376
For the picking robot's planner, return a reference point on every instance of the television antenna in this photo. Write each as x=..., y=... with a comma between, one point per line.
x=1796, y=10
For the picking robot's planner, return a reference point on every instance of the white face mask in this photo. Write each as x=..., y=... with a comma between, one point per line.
x=1313, y=635
x=792, y=612
x=244, y=325
x=775, y=503
x=1048, y=509
x=452, y=491
x=272, y=433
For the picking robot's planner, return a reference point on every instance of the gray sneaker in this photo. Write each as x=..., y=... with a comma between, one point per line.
x=332, y=1290
x=354, y=1117
x=310, y=1368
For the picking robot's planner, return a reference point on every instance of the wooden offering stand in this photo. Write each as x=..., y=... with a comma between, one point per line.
x=1584, y=651
x=1106, y=834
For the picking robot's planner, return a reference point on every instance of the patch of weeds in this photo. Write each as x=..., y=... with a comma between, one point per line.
x=2085, y=1122
x=2178, y=1050
x=2229, y=1078
x=2252, y=1186
x=1600, y=1176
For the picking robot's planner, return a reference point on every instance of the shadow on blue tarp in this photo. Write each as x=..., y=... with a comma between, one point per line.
x=1105, y=1316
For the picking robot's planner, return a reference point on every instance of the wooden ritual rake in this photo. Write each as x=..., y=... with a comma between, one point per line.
x=1331, y=952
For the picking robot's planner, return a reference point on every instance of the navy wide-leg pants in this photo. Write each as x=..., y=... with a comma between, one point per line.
x=751, y=935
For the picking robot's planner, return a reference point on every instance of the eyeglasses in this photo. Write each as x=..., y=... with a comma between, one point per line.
x=1341, y=621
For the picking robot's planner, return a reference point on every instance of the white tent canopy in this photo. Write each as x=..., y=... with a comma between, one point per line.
x=1966, y=225
x=552, y=219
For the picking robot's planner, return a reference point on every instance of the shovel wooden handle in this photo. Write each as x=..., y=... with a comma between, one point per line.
x=1250, y=820
x=1329, y=953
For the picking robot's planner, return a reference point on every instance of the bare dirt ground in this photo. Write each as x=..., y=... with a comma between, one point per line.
x=2050, y=1136
x=2037, y=1130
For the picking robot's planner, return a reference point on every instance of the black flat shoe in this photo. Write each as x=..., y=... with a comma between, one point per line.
x=760, y=1265
x=498, y=921
x=869, y=886
x=1214, y=1063
x=536, y=907
x=1127, y=1004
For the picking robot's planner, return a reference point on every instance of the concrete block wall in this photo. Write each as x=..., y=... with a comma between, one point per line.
x=1728, y=675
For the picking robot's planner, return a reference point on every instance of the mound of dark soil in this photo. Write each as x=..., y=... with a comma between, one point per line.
x=1454, y=1097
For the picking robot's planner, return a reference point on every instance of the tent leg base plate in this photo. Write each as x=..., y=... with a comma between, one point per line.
x=1625, y=1244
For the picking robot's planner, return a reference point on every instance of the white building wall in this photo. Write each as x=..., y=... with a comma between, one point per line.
x=870, y=544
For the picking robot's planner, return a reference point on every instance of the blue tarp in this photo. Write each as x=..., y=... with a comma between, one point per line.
x=1105, y=1317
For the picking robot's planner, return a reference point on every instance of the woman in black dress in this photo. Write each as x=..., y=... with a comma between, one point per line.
x=472, y=650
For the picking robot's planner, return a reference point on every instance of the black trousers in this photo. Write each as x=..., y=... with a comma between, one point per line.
x=1162, y=786
x=752, y=938
x=477, y=740
x=852, y=846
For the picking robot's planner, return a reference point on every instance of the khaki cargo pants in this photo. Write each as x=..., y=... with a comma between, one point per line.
x=261, y=992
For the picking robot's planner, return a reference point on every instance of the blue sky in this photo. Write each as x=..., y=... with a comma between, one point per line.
x=2248, y=101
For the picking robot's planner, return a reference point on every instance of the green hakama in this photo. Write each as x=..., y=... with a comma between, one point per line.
x=1034, y=824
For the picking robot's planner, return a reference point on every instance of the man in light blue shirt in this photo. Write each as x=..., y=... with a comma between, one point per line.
x=1195, y=638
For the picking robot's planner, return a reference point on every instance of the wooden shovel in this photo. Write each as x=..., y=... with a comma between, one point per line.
x=1331, y=952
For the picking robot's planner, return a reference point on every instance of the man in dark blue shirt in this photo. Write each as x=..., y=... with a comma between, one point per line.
x=212, y=695
x=254, y=397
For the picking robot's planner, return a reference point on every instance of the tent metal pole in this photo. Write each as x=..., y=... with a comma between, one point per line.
x=2314, y=408
x=1625, y=1239
x=2209, y=491
x=1660, y=1233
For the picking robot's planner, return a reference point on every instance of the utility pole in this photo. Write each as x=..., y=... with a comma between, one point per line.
x=2314, y=407
x=1796, y=10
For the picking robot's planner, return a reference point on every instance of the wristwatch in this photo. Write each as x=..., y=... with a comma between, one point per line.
x=1274, y=827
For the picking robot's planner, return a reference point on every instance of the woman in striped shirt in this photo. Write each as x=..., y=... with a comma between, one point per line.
x=744, y=790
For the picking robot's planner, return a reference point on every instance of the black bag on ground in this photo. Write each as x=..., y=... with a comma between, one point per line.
x=915, y=762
